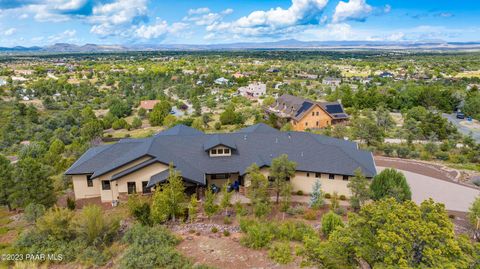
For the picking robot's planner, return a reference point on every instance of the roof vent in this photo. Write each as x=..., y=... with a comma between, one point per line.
x=276, y=140
x=301, y=154
x=245, y=137
x=289, y=136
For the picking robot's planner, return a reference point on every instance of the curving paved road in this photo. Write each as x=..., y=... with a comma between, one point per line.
x=455, y=196
x=462, y=128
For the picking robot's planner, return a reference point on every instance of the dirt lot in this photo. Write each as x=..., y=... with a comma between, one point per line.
x=226, y=252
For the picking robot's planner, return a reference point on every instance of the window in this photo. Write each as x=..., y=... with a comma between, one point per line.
x=144, y=187
x=319, y=175
x=313, y=113
x=89, y=181
x=345, y=177
x=317, y=123
x=317, y=113
x=331, y=176
x=219, y=176
x=306, y=123
x=213, y=151
x=219, y=151
x=226, y=151
x=105, y=185
x=131, y=187
x=308, y=174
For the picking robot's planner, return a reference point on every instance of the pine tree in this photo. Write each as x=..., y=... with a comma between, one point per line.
x=32, y=184
x=209, y=205
x=192, y=208
x=169, y=200
x=258, y=191
x=358, y=185
x=226, y=197
x=281, y=170
x=6, y=181
x=316, y=197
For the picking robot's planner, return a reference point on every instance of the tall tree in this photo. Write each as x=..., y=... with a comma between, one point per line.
x=6, y=181
x=209, y=205
x=390, y=183
x=169, y=200
x=32, y=184
x=389, y=234
x=474, y=217
x=257, y=191
x=226, y=197
x=358, y=186
x=281, y=170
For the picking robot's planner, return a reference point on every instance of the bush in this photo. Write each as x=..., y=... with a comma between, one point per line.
x=93, y=228
x=340, y=211
x=328, y=196
x=293, y=230
x=300, y=192
x=227, y=220
x=226, y=232
x=151, y=247
x=217, y=125
x=139, y=208
x=476, y=181
x=214, y=230
x=240, y=210
x=71, y=204
x=33, y=212
x=281, y=252
x=330, y=222
x=310, y=214
x=403, y=152
x=443, y=156
x=343, y=197
x=257, y=235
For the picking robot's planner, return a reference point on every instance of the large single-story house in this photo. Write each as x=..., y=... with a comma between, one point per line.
x=253, y=90
x=113, y=171
x=306, y=114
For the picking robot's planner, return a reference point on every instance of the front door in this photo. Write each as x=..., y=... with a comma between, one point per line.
x=132, y=188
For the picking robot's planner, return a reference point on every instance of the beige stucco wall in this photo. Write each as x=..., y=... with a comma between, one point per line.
x=305, y=184
x=138, y=177
x=323, y=120
x=81, y=189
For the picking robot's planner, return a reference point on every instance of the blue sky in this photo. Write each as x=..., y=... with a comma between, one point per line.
x=41, y=22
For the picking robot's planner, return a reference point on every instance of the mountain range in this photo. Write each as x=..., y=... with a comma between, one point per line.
x=283, y=44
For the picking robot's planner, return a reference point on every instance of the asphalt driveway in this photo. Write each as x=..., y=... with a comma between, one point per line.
x=475, y=133
x=455, y=196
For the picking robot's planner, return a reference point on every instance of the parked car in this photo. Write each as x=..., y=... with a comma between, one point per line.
x=460, y=115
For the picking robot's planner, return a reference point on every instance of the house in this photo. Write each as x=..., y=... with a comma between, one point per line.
x=386, y=74
x=238, y=75
x=148, y=104
x=221, y=81
x=112, y=172
x=253, y=90
x=335, y=82
x=306, y=114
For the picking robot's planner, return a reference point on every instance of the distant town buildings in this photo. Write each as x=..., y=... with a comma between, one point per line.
x=148, y=104
x=253, y=90
x=329, y=81
x=221, y=81
x=306, y=114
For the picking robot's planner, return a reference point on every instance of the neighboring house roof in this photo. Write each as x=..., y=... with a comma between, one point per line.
x=148, y=104
x=297, y=107
x=185, y=148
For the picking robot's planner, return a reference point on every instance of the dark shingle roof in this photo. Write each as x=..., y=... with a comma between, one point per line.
x=255, y=144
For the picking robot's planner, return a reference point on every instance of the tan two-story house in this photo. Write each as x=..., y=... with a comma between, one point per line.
x=305, y=114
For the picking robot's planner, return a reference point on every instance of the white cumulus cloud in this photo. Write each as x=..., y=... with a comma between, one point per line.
x=10, y=31
x=352, y=10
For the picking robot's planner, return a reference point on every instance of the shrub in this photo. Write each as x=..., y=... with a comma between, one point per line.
x=93, y=228
x=310, y=215
x=443, y=156
x=296, y=210
x=330, y=222
x=151, y=247
x=240, y=210
x=257, y=235
x=218, y=125
x=343, y=197
x=226, y=232
x=293, y=230
x=71, y=204
x=192, y=231
x=227, y=220
x=281, y=252
x=340, y=211
x=300, y=192
x=33, y=212
x=476, y=181
x=139, y=208
x=328, y=196
x=214, y=230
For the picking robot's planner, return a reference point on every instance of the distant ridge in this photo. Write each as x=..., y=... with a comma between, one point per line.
x=282, y=44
